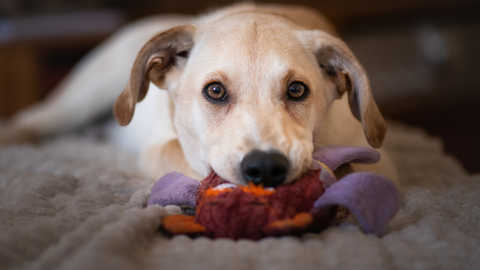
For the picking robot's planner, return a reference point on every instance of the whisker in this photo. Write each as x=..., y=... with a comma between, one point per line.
x=320, y=145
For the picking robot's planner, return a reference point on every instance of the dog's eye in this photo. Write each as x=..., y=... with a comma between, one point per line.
x=297, y=91
x=215, y=92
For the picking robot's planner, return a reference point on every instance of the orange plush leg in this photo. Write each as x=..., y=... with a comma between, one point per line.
x=182, y=224
x=300, y=220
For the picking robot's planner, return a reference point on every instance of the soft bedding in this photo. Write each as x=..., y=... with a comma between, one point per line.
x=78, y=203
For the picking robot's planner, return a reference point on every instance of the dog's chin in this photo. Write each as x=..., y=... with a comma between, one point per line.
x=299, y=165
x=297, y=175
x=232, y=178
x=227, y=173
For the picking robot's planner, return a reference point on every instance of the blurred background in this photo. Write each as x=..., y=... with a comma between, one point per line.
x=422, y=56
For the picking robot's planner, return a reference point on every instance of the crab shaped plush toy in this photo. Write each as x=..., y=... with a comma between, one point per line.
x=310, y=203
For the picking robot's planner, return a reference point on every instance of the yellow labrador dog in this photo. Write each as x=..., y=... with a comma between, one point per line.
x=251, y=90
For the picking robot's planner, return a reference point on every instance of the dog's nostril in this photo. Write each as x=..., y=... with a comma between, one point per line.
x=253, y=172
x=278, y=171
x=268, y=169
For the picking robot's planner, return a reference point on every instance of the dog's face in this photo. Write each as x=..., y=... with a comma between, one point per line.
x=250, y=89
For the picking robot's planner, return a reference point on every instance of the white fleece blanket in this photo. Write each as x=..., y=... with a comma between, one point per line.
x=74, y=203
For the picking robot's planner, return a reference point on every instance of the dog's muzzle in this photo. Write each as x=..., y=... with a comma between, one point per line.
x=265, y=168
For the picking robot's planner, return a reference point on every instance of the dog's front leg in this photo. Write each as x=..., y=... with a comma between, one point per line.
x=158, y=159
x=161, y=152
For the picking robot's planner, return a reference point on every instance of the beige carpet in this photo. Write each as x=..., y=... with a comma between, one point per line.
x=74, y=203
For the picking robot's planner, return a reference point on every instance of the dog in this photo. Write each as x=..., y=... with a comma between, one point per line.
x=249, y=91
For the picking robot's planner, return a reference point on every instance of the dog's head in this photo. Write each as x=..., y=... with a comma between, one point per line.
x=251, y=93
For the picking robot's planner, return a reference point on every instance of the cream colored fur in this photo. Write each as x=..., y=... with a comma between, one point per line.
x=255, y=51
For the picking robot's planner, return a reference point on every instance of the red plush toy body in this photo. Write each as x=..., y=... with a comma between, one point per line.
x=254, y=212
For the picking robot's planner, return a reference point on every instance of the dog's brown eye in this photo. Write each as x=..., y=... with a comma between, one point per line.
x=297, y=91
x=215, y=92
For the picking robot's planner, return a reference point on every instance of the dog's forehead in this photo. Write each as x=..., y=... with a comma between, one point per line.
x=251, y=47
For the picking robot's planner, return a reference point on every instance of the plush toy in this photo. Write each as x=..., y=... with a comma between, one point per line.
x=310, y=203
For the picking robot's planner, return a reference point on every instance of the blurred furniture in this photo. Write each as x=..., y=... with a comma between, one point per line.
x=37, y=52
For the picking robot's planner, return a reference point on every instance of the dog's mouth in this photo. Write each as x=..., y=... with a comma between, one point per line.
x=266, y=163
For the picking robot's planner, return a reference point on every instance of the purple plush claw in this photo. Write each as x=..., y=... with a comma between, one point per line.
x=334, y=156
x=372, y=198
x=174, y=189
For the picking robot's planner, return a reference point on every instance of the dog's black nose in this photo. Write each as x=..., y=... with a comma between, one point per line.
x=269, y=169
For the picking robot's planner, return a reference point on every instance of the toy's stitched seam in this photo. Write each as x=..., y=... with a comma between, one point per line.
x=325, y=167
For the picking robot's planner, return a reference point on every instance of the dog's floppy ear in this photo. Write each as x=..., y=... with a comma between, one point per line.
x=153, y=61
x=348, y=75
